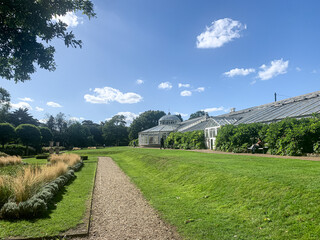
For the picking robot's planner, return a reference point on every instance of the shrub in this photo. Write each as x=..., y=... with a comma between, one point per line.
x=69, y=159
x=17, y=150
x=84, y=157
x=10, y=160
x=42, y=156
x=187, y=140
x=134, y=140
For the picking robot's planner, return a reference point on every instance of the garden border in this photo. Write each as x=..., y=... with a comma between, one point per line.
x=81, y=229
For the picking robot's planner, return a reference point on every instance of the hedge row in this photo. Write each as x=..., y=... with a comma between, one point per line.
x=37, y=205
x=292, y=137
x=187, y=140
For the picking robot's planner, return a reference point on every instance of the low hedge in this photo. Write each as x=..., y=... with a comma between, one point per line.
x=17, y=150
x=37, y=205
x=42, y=156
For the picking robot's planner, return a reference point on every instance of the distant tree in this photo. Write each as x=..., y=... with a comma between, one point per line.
x=21, y=116
x=61, y=126
x=50, y=123
x=29, y=135
x=179, y=116
x=95, y=131
x=197, y=114
x=26, y=28
x=78, y=135
x=46, y=135
x=7, y=133
x=4, y=104
x=145, y=121
x=115, y=131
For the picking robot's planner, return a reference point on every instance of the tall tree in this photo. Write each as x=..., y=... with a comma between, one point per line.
x=7, y=133
x=145, y=120
x=95, y=131
x=29, y=135
x=4, y=104
x=26, y=28
x=115, y=131
x=50, y=123
x=21, y=116
x=197, y=114
x=78, y=135
x=46, y=135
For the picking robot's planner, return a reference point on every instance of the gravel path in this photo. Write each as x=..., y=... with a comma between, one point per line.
x=119, y=210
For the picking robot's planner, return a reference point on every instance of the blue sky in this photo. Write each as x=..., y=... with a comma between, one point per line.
x=179, y=56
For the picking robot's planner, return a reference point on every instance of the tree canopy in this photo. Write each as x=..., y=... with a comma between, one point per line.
x=4, y=104
x=145, y=120
x=115, y=131
x=21, y=116
x=7, y=133
x=29, y=134
x=197, y=114
x=27, y=28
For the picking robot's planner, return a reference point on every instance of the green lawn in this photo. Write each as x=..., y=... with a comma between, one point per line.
x=216, y=196
x=66, y=212
x=206, y=196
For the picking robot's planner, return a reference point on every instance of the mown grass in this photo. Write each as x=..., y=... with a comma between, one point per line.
x=216, y=196
x=65, y=212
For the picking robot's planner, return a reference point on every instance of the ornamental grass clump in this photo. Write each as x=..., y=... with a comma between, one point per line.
x=69, y=159
x=5, y=190
x=32, y=178
x=10, y=160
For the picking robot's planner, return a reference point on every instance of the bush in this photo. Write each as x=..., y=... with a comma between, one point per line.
x=84, y=158
x=134, y=140
x=187, y=140
x=37, y=205
x=17, y=150
x=293, y=137
x=42, y=156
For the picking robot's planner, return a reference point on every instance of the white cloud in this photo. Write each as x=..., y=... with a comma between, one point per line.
x=21, y=105
x=129, y=117
x=220, y=32
x=26, y=99
x=70, y=19
x=182, y=114
x=298, y=69
x=54, y=105
x=165, y=85
x=214, y=109
x=239, y=72
x=199, y=89
x=39, y=109
x=107, y=94
x=139, y=81
x=186, y=93
x=186, y=85
x=43, y=121
x=76, y=119
x=276, y=68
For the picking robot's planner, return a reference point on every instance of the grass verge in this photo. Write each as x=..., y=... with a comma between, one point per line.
x=66, y=211
x=217, y=196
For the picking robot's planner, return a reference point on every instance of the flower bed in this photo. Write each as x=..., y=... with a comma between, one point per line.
x=27, y=195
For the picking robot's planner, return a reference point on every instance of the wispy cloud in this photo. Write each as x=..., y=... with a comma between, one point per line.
x=276, y=68
x=54, y=104
x=39, y=109
x=186, y=85
x=139, y=81
x=21, y=105
x=108, y=94
x=214, y=109
x=76, y=119
x=239, y=72
x=182, y=114
x=199, y=89
x=298, y=69
x=220, y=32
x=165, y=85
x=186, y=93
x=70, y=19
x=26, y=99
